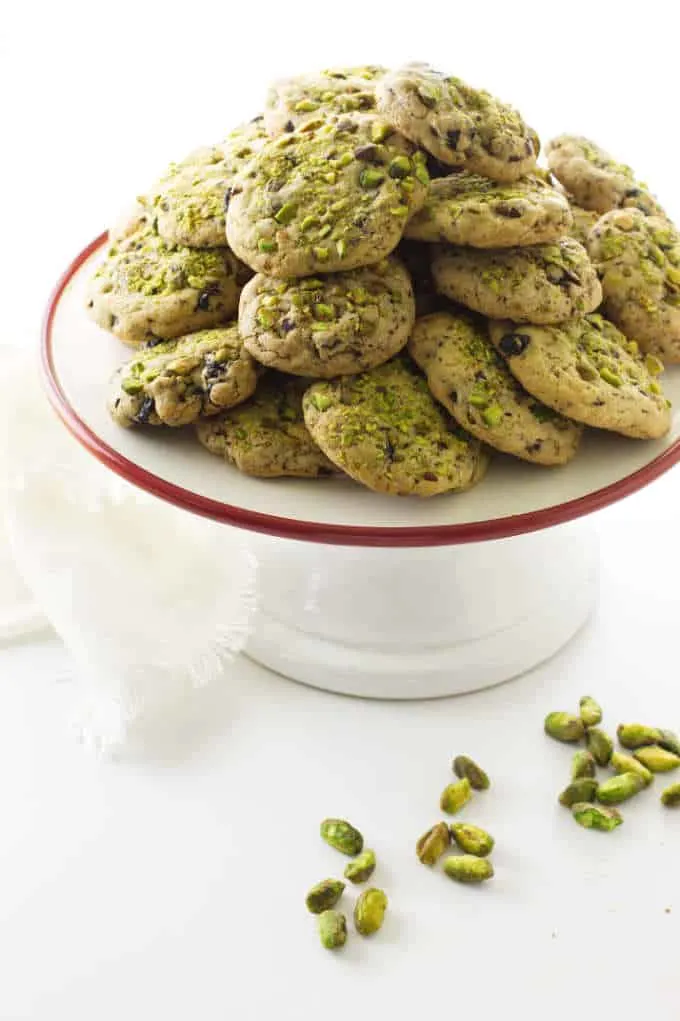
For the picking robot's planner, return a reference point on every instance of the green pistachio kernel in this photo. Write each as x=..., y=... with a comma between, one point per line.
x=321, y=402
x=323, y=312
x=636, y=735
x=265, y=318
x=380, y=131
x=324, y=895
x=342, y=836
x=371, y=178
x=582, y=765
x=345, y=159
x=669, y=740
x=266, y=245
x=653, y=365
x=466, y=868
x=465, y=767
x=306, y=106
x=322, y=254
x=583, y=789
x=472, y=839
x=431, y=846
x=455, y=795
x=619, y=788
x=622, y=763
x=286, y=213
x=670, y=796
x=590, y=710
x=400, y=166
x=341, y=248
x=564, y=727
x=493, y=415
x=309, y=222
x=656, y=758
x=332, y=929
x=359, y=295
x=399, y=210
x=362, y=868
x=369, y=911
x=324, y=231
x=610, y=377
x=422, y=175
x=596, y=817
x=600, y=745
x=330, y=177
x=479, y=398
x=132, y=386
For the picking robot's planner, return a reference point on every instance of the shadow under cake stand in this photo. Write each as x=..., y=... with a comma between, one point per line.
x=361, y=593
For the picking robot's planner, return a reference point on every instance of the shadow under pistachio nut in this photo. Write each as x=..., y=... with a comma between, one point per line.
x=623, y=763
x=467, y=768
x=369, y=911
x=362, y=868
x=342, y=836
x=467, y=868
x=620, y=788
x=332, y=929
x=583, y=765
x=636, y=735
x=583, y=789
x=564, y=727
x=455, y=795
x=324, y=895
x=670, y=796
x=596, y=817
x=432, y=844
x=590, y=710
x=472, y=839
x=656, y=758
x=600, y=745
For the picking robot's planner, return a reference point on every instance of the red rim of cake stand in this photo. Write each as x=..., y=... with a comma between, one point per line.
x=313, y=531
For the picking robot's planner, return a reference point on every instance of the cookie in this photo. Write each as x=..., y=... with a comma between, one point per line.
x=461, y=126
x=148, y=289
x=177, y=381
x=583, y=221
x=331, y=197
x=189, y=201
x=384, y=428
x=538, y=284
x=466, y=209
x=474, y=384
x=587, y=369
x=638, y=260
x=596, y=180
x=292, y=102
x=267, y=436
x=330, y=326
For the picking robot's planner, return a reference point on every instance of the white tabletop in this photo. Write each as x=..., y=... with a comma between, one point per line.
x=173, y=887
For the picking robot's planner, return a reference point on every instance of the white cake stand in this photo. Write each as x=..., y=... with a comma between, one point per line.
x=361, y=593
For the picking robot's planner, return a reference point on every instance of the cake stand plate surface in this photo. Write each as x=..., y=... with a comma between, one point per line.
x=378, y=596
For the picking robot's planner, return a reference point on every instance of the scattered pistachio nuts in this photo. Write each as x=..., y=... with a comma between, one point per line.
x=620, y=788
x=596, y=817
x=432, y=844
x=564, y=727
x=583, y=765
x=359, y=870
x=455, y=795
x=582, y=789
x=600, y=745
x=656, y=758
x=636, y=735
x=591, y=712
x=472, y=839
x=342, y=836
x=623, y=763
x=466, y=868
x=670, y=796
x=670, y=741
x=324, y=895
x=369, y=911
x=332, y=929
x=465, y=767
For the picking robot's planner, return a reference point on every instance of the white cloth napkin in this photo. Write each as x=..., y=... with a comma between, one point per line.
x=149, y=601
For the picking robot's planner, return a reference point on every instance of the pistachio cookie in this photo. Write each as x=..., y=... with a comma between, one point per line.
x=537, y=284
x=148, y=289
x=384, y=428
x=177, y=381
x=583, y=222
x=472, y=381
x=595, y=179
x=189, y=201
x=331, y=326
x=461, y=126
x=585, y=368
x=466, y=209
x=638, y=260
x=333, y=196
x=292, y=102
x=267, y=436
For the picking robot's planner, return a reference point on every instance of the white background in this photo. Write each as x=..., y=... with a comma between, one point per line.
x=171, y=888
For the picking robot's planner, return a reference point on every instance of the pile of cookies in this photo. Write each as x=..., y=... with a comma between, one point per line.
x=376, y=278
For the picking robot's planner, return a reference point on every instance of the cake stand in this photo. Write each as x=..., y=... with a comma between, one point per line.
x=361, y=593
